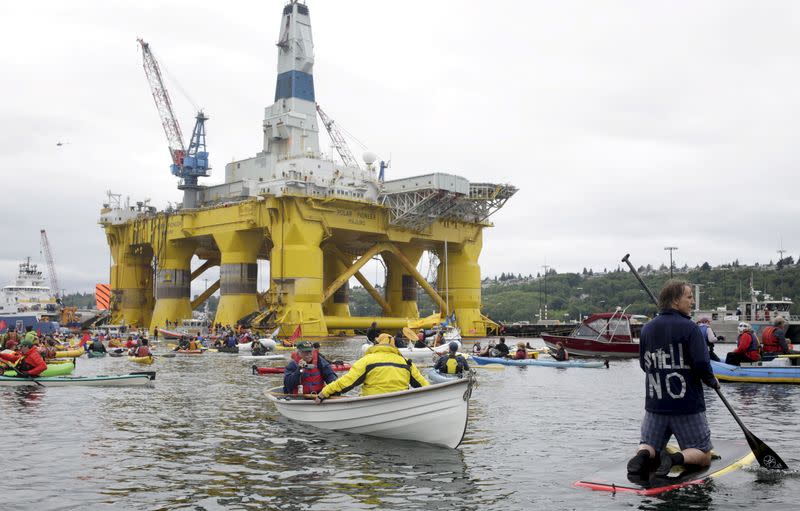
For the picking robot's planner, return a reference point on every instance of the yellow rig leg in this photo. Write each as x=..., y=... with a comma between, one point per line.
x=173, y=281
x=238, y=274
x=296, y=273
x=401, y=287
x=463, y=285
x=337, y=305
x=132, y=286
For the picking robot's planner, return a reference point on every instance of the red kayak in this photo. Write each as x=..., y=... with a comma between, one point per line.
x=279, y=370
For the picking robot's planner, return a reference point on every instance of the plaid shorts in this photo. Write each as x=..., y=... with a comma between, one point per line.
x=691, y=431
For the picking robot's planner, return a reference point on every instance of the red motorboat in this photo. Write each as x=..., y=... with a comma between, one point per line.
x=600, y=335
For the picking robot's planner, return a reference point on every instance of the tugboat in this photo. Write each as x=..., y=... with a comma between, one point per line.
x=606, y=334
x=759, y=313
x=27, y=301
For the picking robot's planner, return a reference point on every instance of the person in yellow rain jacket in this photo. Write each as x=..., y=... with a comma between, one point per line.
x=382, y=369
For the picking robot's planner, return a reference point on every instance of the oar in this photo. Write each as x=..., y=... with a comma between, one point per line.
x=765, y=456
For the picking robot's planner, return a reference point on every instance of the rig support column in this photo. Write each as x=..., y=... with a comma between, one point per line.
x=173, y=283
x=131, y=285
x=339, y=304
x=401, y=286
x=296, y=272
x=238, y=274
x=463, y=284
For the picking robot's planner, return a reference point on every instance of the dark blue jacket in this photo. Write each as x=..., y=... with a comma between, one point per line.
x=292, y=375
x=674, y=357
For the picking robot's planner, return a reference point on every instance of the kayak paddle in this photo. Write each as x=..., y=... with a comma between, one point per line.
x=765, y=456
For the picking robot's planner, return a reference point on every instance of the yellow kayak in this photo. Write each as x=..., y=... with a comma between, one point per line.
x=70, y=353
x=142, y=360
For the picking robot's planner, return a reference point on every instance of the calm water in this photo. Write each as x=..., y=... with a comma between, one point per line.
x=205, y=438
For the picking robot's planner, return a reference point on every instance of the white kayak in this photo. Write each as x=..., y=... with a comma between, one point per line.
x=436, y=414
x=248, y=346
x=417, y=353
x=123, y=380
x=263, y=357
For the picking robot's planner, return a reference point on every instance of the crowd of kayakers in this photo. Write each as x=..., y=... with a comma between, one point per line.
x=523, y=350
x=749, y=348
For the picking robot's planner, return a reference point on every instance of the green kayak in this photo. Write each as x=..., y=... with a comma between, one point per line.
x=52, y=370
x=95, y=354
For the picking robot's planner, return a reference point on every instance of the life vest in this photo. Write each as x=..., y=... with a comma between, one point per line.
x=142, y=351
x=752, y=349
x=311, y=376
x=770, y=341
x=453, y=364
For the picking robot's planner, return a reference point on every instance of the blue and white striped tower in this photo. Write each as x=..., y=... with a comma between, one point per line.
x=290, y=125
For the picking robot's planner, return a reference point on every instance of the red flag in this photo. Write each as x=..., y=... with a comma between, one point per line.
x=297, y=333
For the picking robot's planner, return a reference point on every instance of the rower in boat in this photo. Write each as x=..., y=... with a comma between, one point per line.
x=381, y=370
x=452, y=363
x=97, y=346
x=307, y=368
x=560, y=353
x=143, y=350
x=746, y=346
x=521, y=353
x=373, y=332
x=773, y=340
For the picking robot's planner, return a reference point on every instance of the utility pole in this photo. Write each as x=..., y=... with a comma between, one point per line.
x=545, y=289
x=671, y=249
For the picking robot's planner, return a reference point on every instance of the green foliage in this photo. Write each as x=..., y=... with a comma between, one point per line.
x=571, y=294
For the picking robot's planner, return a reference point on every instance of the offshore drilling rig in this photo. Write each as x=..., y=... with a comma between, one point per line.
x=316, y=221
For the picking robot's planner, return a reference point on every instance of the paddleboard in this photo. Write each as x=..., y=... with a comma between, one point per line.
x=728, y=456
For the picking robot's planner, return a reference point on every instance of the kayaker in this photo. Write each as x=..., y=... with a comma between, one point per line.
x=97, y=346
x=143, y=350
x=502, y=348
x=421, y=343
x=674, y=358
x=710, y=337
x=373, y=332
x=49, y=349
x=521, y=353
x=560, y=353
x=130, y=343
x=746, y=346
x=32, y=363
x=400, y=339
x=453, y=362
x=476, y=348
x=30, y=335
x=382, y=369
x=194, y=345
x=307, y=368
x=257, y=349
x=773, y=339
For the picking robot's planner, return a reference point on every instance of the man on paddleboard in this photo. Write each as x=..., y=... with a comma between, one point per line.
x=674, y=358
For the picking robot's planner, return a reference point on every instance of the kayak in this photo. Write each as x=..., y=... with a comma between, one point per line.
x=70, y=353
x=435, y=376
x=228, y=349
x=190, y=352
x=279, y=370
x=142, y=360
x=123, y=380
x=95, y=354
x=541, y=362
x=727, y=456
x=117, y=352
x=263, y=357
x=52, y=370
x=756, y=373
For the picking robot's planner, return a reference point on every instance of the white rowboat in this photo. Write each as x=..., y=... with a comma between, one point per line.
x=436, y=414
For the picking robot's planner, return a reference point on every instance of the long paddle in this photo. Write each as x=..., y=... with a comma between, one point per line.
x=765, y=456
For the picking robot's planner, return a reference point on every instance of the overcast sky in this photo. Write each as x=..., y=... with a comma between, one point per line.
x=627, y=126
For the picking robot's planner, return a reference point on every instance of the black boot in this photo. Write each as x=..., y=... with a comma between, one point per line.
x=667, y=462
x=638, y=464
